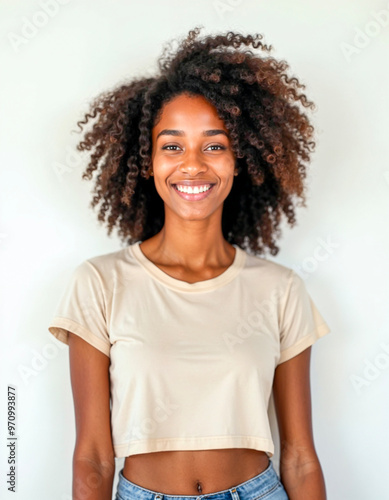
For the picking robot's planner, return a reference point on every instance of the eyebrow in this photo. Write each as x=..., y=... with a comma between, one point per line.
x=180, y=133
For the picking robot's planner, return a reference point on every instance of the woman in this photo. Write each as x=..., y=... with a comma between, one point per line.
x=187, y=329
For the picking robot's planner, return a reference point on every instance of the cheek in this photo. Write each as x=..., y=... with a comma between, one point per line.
x=161, y=179
x=160, y=169
x=161, y=163
x=227, y=170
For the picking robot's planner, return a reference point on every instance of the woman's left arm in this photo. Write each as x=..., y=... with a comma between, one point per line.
x=300, y=470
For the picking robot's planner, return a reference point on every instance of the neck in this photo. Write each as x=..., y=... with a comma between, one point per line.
x=192, y=244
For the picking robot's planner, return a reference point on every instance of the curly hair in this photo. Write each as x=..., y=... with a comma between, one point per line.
x=261, y=107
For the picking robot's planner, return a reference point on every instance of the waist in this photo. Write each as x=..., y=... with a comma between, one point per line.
x=193, y=473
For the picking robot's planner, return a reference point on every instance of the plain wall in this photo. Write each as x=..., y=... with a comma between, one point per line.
x=53, y=64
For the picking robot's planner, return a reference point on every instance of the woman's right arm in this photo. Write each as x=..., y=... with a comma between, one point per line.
x=93, y=457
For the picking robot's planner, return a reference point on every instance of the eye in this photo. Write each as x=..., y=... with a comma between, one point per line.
x=216, y=146
x=171, y=147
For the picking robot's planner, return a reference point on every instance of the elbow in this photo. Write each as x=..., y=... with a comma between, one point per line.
x=299, y=457
x=102, y=463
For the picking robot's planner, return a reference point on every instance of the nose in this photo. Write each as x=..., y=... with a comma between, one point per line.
x=193, y=163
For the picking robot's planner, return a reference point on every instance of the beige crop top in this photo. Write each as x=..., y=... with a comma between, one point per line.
x=191, y=364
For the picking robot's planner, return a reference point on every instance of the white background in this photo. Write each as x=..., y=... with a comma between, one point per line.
x=339, y=49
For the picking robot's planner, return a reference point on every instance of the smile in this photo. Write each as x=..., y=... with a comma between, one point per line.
x=192, y=190
x=193, y=193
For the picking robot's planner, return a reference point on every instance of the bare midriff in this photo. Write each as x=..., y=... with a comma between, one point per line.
x=194, y=472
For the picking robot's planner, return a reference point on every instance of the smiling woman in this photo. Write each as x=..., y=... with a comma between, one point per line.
x=177, y=340
x=191, y=152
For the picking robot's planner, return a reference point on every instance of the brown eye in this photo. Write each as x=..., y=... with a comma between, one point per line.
x=217, y=146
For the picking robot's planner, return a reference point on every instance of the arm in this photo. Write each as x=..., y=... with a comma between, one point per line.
x=300, y=470
x=93, y=457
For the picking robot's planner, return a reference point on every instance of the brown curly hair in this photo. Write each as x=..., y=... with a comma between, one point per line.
x=259, y=104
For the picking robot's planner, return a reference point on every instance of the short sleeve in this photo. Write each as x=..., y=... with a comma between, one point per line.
x=81, y=309
x=301, y=323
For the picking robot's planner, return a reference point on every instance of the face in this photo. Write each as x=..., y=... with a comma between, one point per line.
x=191, y=152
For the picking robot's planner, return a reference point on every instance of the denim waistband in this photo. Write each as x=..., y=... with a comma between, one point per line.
x=257, y=486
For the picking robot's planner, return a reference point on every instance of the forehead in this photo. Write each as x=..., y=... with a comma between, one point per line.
x=189, y=110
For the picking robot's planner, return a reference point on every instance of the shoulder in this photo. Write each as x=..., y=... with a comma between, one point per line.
x=106, y=261
x=108, y=272
x=268, y=271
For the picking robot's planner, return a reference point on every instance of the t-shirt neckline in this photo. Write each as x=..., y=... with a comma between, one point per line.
x=200, y=286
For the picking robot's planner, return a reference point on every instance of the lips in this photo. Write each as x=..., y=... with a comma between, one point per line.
x=193, y=196
x=193, y=183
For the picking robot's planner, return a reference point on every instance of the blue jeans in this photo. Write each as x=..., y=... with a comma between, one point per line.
x=264, y=486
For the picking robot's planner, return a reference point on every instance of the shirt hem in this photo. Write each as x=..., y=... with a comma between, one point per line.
x=304, y=343
x=60, y=327
x=210, y=443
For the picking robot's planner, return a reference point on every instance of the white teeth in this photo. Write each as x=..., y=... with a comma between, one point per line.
x=194, y=190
